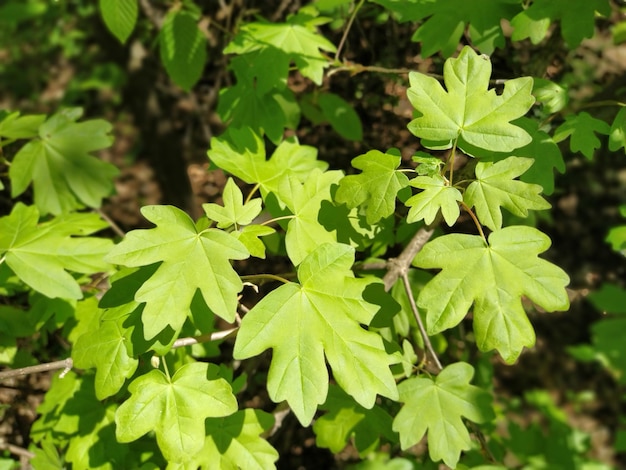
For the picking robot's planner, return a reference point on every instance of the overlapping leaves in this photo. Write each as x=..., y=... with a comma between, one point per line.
x=324, y=313
x=492, y=278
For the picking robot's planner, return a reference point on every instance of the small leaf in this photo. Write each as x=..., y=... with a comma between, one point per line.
x=183, y=48
x=250, y=237
x=581, y=128
x=468, y=111
x=324, y=313
x=617, y=136
x=495, y=187
x=342, y=116
x=65, y=176
x=175, y=409
x=493, y=278
x=553, y=96
x=119, y=16
x=436, y=195
x=234, y=211
x=41, y=254
x=438, y=406
x=376, y=188
x=190, y=260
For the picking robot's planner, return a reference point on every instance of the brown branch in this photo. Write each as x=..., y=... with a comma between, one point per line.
x=397, y=267
x=65, y=364
x=16, y=450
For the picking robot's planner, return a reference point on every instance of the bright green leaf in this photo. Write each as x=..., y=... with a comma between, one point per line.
x=15, y=126
x=241, y=153
x=234, y=211
x=65, y=176
x=617, y=136
x=495, y=187
x=105, y=349
x=577, y=19
x=467, y=110
x=119, y=16
x=304, y=200
x=493, y=278
x=553, y=96
x=324, y=315
x=190, y=260
x=376, y=188
x=175, y=409
x=438, y=405
x=249, y=236
x=183, y=48
x=436, y=195
x=581, y=128
x=342, y=116
x=41, y=254
x=234, y=442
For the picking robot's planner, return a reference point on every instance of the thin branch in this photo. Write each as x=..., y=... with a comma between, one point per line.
x=116, y=228
x=16, y=450
x=427, y=344
x=65, y=364
x=396, y=267
x=215, y=336
x=348, y=27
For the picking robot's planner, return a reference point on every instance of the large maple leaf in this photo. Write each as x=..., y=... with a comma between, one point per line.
x=320, y=317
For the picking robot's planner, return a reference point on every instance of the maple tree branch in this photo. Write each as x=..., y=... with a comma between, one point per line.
x=65, y=364
x=427, y=344
x=396, y=267
x=116, y=228
x=16, y=450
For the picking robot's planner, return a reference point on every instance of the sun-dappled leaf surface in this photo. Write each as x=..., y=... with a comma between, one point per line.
x=492, y=278
x=467, y=110
x=324, y=315
x=65, y=176
x=175, y=409
x=495, y=187
x=436, y=195
x=438, y=406
x=376, y=187
x=191, y=260
x=42, y=253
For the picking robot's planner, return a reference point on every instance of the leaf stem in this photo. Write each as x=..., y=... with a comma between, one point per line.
x=273, y=277
x=451, y=161
x=427, y=344
x=116, y=228
x=276, y=219
x=251, y=193
x=475, y=219
x=166, y=369
x=3, y=259
x=348, y=27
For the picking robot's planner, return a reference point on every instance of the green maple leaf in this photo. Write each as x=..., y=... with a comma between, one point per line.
x=577, y=19
x=376, y=188
x=105, y=349
x=453, y=16
x=304, y=200
x=581, y=128
x=436, y=195
x=65, y=176
x=234, y=211
x=297, y=41
x=346, y=419
x=190, y=260
x=617, y=136
x=241, y=152
x=324, y=314
x=41, y=253
x=495, y=187
x=492, y=278
x=468, y=110
x=249, y=236
x=234, y=442
x=438, y=406
x=175, y=409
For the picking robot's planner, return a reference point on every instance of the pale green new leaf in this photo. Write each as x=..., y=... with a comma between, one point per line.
x=119, y=16
x=438, y=405
x=436, y=195
x=320, y=317
x=467, y=110
x=183, y=48
x=617, y=136
x=234, y=211
x=175, y=409
x=297, y=39
x=582, y=128
x=241, y=153
x=376, y=188
x=495, y=187
x=105, y=349
x=65, y=176
x=304, y=200
x=492, y=278
x=190, y=260
x=249, y=236
x=41, y=254
x=234, y=442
